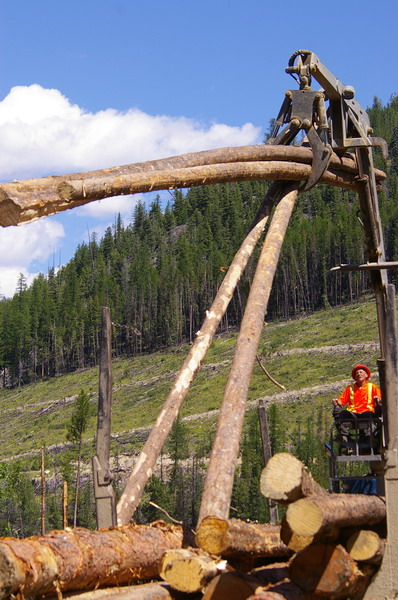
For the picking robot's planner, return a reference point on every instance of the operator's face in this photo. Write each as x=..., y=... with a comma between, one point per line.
x=360, y=376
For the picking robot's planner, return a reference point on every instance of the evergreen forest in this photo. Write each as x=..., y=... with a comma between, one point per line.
x=159, y=273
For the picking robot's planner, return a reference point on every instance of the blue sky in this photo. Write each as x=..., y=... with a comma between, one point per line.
x=88, y=84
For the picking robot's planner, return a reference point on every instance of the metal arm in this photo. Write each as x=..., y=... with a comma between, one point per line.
x=345, y=124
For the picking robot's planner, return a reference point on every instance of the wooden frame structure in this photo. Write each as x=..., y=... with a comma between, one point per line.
x=25, y=201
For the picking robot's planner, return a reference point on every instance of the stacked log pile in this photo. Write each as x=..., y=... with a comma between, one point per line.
x=328, y=546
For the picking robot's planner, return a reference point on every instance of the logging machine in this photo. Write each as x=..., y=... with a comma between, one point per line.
x=332, y=123
x=331, y=120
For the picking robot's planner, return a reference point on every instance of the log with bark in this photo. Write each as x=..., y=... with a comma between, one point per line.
x=271, y=573
x=285, y=479
x=144, y=591
x=296, y=542
x=317, y=514
x=189, y=570
x=284, y=590
x=232, y=585
x=25, y=201
x=328, y=570
x=232, y=537
x=84, y=559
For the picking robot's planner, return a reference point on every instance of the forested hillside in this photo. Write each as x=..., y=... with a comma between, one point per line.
x=312, y=357
x=160, y=273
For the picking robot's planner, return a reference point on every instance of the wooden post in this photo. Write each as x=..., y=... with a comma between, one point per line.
x=262, y=416
x=43, y=494
x=105, y=499
x=142, y=471
x=65, y=505
x=220, y=475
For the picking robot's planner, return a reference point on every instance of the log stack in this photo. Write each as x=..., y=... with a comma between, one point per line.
x=328, y=546
x=337, y=539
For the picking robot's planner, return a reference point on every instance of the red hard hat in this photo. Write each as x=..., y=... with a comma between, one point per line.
x=360, y=367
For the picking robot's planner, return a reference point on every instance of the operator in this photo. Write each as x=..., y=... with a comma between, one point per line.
x=363, y=399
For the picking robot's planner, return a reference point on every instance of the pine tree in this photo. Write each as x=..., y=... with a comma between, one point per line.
x=76, y=428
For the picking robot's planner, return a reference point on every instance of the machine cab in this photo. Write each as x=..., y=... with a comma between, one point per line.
x=353, y=461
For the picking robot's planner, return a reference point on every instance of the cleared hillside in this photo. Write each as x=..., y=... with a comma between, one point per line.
x=312, y=357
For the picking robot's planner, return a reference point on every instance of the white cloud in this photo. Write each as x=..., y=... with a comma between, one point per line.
x=21, y=246
x=42, y=133
x=103, y=209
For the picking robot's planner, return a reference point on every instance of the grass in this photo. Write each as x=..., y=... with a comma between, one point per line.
x=38, y=414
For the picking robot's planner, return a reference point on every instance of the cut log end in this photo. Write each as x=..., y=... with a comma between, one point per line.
x=235, y=538
x=212, y=535
x=10, y=212
x=188, y=570
x=304, y=519
x=366, y=546
x=285, y=479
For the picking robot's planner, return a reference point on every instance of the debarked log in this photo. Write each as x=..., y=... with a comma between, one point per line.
x=232, y=537
x=189, y=570
x=328, y=571
x=27, y=200
x=143, y=467
x=285, y=479
x=84, y=559
x=317, y=514
x=218, y=485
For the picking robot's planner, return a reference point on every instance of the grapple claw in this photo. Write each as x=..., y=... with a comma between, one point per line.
x=321, y=155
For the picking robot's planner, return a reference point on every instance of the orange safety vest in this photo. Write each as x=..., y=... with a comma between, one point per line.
x=359, y=400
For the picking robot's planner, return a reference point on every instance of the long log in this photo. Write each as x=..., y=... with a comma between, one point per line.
x=145, y=591
x=143, y=468
x=232, y=585
x=189, y=570
x=366, y=546
x=327, y=570
x=27, y=200
x=317, y=514
x=84, y=559
x=271, y=573
x=220, y=474
x=284, y=590
x=235, y=538
x=285, y=479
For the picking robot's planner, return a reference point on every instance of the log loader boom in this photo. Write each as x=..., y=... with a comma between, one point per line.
x=344, y=126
